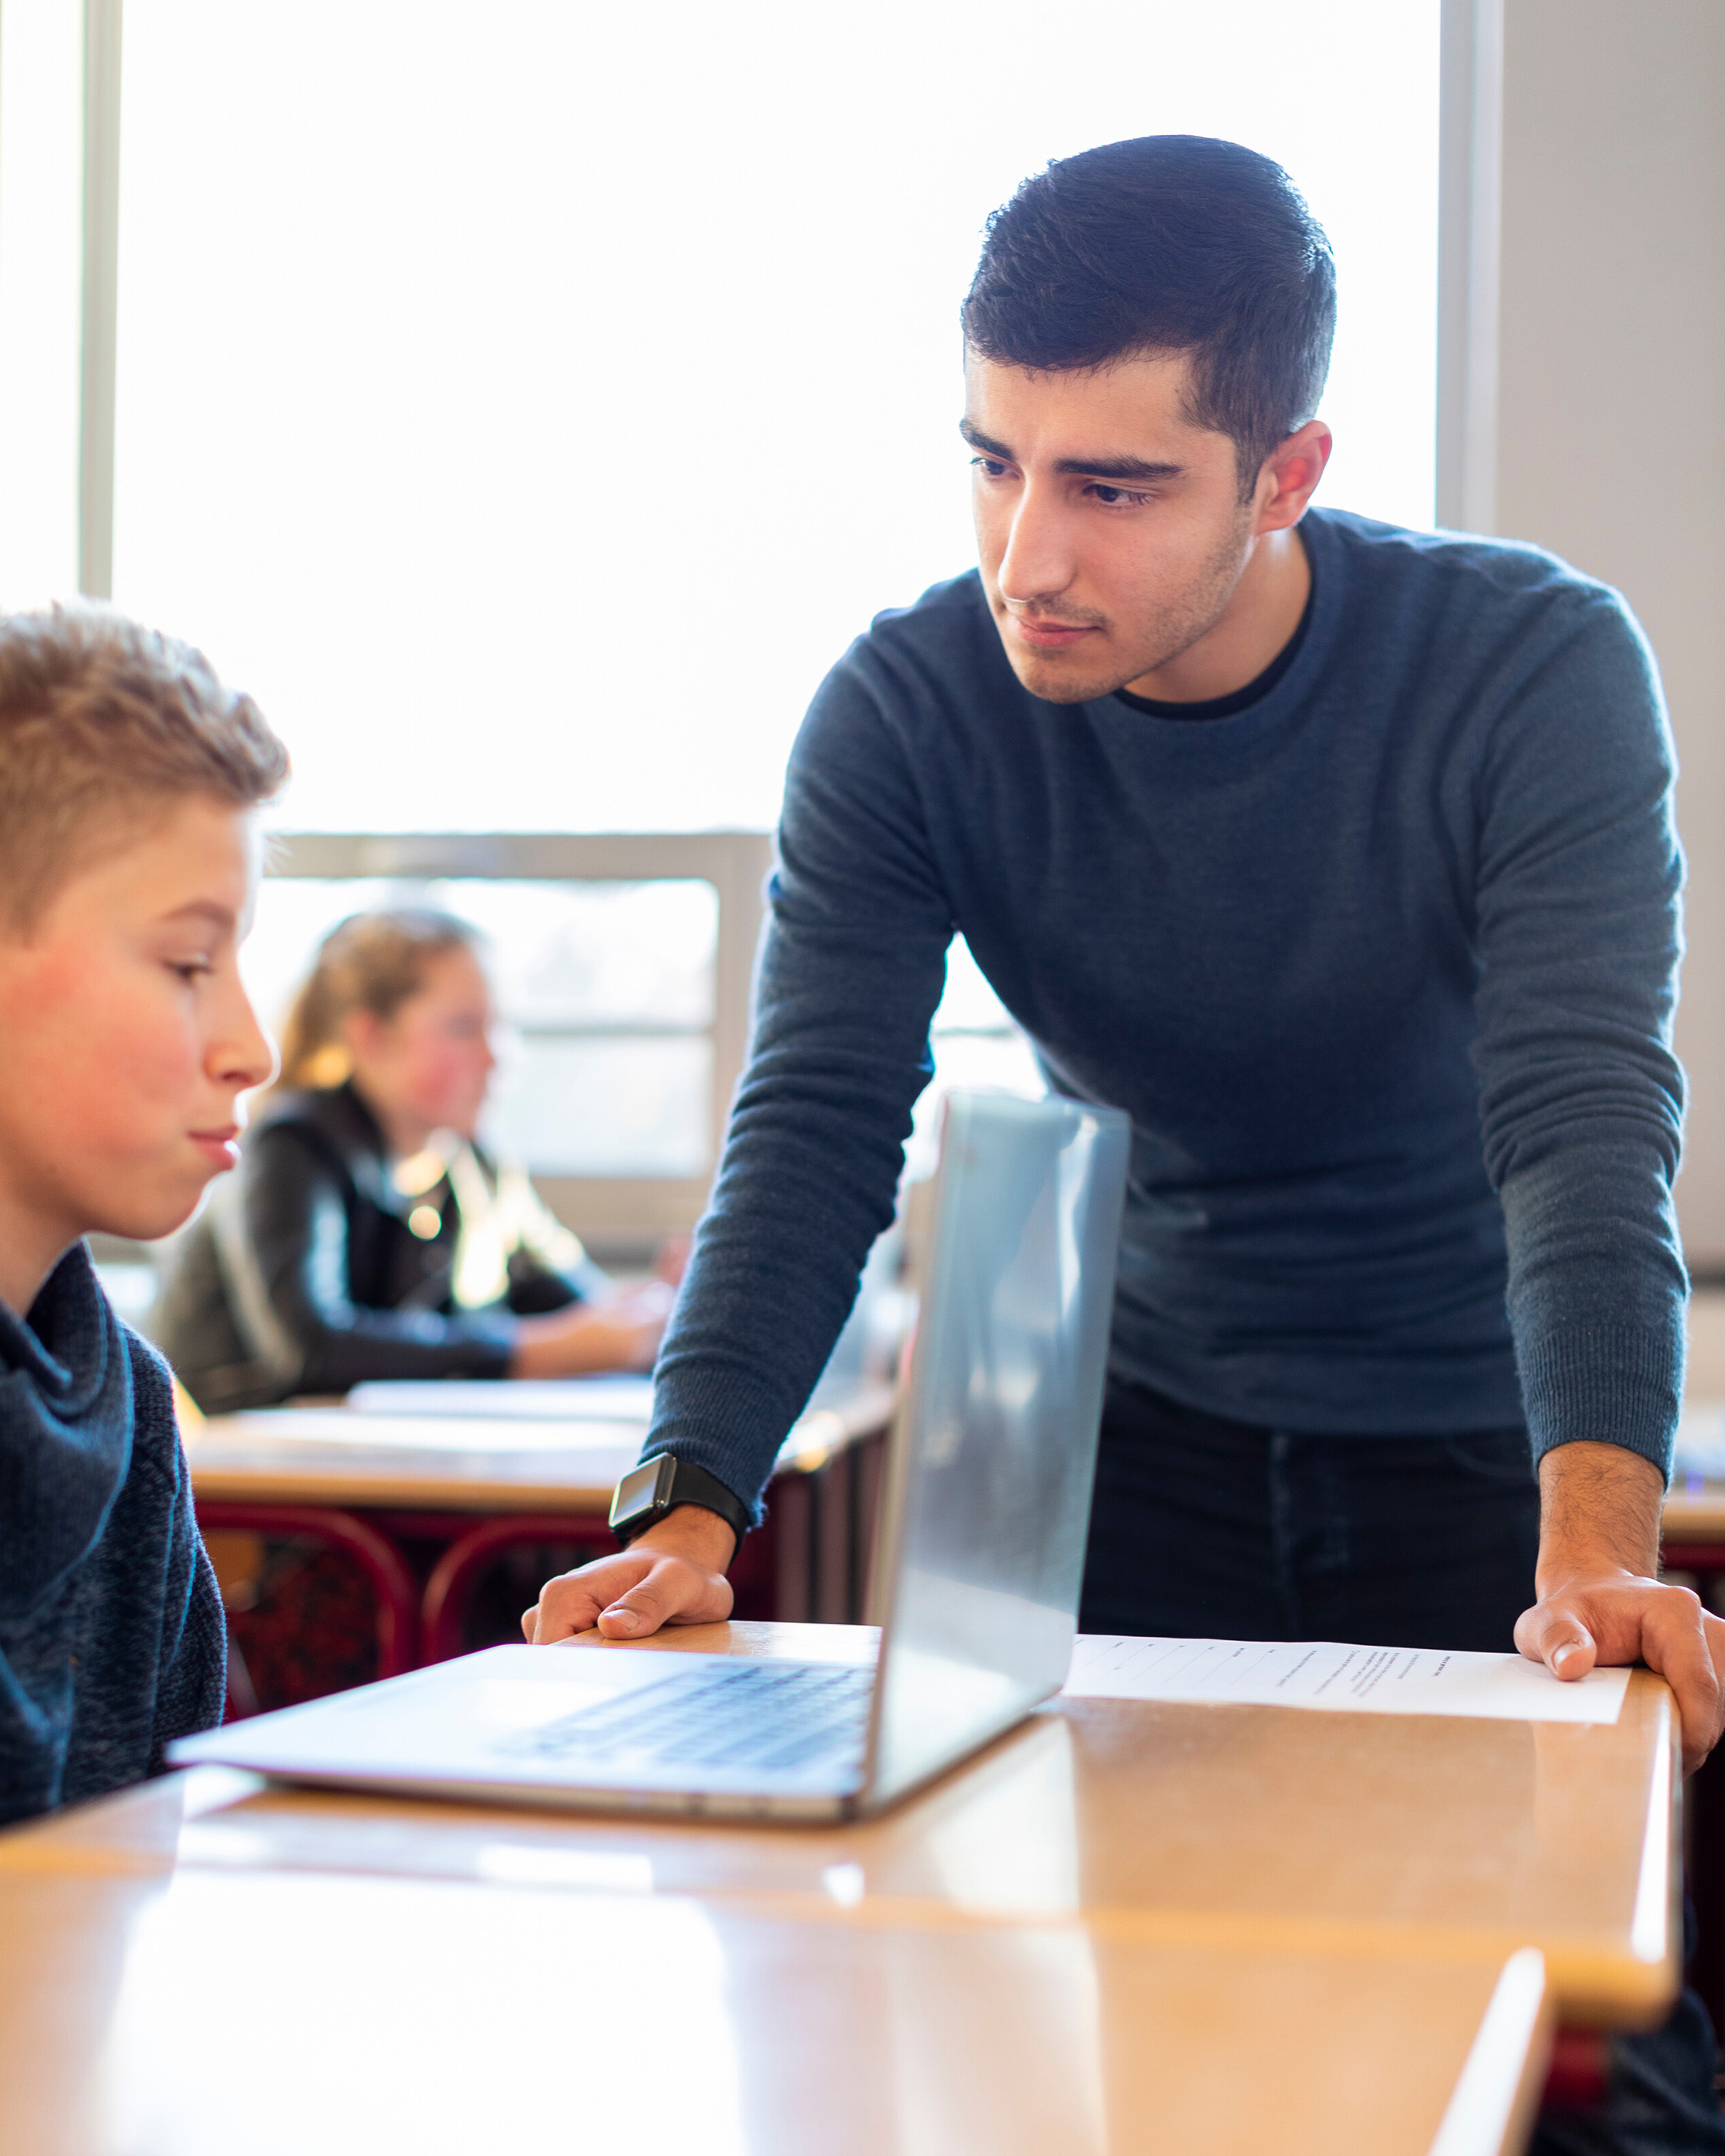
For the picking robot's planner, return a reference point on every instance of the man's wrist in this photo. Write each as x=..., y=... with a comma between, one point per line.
x=692, y=1532
x=1600, y=1510
x=664, y=1480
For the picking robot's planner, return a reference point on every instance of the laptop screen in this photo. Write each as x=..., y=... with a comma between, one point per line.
x=987, y=1501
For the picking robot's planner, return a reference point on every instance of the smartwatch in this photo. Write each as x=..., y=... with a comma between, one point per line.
x=648, y=1492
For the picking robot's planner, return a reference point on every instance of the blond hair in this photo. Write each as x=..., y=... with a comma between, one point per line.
x=103, y=722
x=371, y=962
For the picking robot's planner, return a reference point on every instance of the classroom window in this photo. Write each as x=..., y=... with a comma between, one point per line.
x=530, y=403
x=604, y=997
x=621, y=967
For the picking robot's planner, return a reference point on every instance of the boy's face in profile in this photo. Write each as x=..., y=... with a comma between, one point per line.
x=128, y=1036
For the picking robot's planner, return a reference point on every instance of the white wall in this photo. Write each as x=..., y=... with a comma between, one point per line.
x=1610, y=424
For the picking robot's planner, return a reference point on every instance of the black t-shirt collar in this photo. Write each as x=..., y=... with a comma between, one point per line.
x=1260, y=686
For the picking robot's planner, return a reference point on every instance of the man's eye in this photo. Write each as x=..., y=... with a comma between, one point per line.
x=990, y=467
x=188, y=969
x=1109, y=496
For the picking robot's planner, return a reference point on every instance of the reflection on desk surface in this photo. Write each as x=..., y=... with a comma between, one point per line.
x=215, y=2012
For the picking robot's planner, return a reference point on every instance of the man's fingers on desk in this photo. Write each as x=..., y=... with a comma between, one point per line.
x=1686, y=1645
x=627, y=1597
x=1553, y=1634
x=572, y=1602
x=674, y=1593
x=1626, y=1619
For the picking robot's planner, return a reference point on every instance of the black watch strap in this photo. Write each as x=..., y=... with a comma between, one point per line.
x=648, y=1492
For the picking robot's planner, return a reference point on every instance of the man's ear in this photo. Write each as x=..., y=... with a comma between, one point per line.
x=1289, y=475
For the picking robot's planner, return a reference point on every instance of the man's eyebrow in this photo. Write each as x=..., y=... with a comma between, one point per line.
x=1123, y=467
x=979, y=440
x=1138, y=469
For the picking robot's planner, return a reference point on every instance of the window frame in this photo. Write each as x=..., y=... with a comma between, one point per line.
x=619, y=1217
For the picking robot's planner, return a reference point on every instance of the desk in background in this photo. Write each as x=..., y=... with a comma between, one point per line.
x=371, y=1483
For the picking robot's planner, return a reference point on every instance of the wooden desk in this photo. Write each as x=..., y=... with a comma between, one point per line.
x=1386, y=1839
x=364, y=1481
x=255, y=2013
x=330, y=1455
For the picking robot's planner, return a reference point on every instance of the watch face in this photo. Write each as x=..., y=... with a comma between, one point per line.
x=638, y=1494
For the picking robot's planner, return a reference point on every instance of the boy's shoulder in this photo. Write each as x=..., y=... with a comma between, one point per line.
x=76, y=1370
x=155, y=1412
x=88, y=1431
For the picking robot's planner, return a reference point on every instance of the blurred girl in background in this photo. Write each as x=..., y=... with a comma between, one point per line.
x=366, y=1234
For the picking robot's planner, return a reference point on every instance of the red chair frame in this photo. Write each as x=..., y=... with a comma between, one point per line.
x=392, y=1584
x=444, y=1605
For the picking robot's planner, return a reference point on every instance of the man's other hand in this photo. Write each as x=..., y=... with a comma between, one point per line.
x=1600, y=1603
x=672, y=1574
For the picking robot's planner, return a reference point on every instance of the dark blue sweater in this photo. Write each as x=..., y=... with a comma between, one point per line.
x=112, y=1640
x=1382, y=967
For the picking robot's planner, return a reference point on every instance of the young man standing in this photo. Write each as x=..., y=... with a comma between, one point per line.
x=1340, y=856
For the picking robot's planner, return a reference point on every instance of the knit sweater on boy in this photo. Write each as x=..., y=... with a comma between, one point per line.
x=112, y=1641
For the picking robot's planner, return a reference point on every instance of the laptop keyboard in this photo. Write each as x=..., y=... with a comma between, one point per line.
x=769, y=1716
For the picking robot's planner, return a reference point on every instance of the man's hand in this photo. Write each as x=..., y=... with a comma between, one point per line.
x=673, y=1573
x=1600, y=1598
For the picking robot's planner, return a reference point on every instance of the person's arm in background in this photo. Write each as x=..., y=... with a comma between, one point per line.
x=574, y=1317
x=851, y=968
x=1581, y=1104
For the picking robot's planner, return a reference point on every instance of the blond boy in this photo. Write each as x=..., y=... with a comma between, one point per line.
x=128, y=778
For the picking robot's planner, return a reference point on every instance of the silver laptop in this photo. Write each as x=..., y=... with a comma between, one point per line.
x=978, y=1555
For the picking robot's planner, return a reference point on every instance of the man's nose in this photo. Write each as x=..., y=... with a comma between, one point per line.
x=1037, y=563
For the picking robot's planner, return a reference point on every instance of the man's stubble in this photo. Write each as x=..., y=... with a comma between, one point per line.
x=1162, y=633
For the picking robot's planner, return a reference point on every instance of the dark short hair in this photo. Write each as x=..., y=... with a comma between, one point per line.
x=1169, y=243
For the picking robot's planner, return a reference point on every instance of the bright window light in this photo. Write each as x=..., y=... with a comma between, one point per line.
x=41, y=237
x=529, y=402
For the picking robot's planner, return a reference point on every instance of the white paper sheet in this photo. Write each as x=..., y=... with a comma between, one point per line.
x=610, y=1399
x=1326, y=1675
x=335, y=1431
